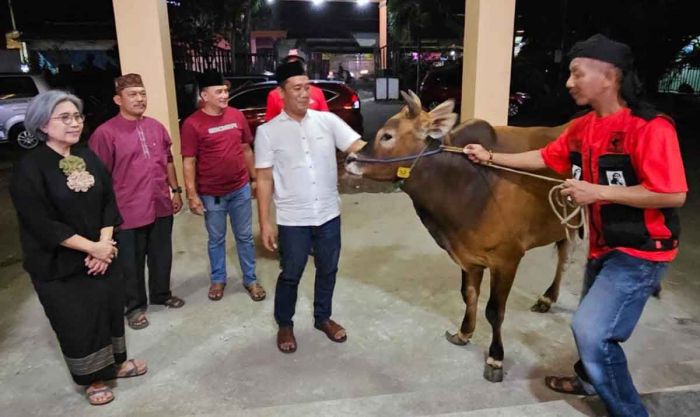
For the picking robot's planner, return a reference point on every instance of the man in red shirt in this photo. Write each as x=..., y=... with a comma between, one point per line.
x=275, y=104
x=135, y=149
x=627, y=170
x=219, y=178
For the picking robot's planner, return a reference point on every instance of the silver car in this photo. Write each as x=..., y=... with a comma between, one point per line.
x=16, y=91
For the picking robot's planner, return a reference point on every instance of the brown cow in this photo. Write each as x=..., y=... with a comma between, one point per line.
x=482, y=217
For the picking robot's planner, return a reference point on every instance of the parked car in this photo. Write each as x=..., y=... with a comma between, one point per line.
x=441, y=84
x=16, y=91
x=238, y=81
x=342, y=100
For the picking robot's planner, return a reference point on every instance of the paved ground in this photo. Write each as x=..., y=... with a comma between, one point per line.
x=397, y=293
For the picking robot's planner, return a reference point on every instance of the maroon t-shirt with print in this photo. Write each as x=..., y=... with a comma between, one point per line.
x=217, y=143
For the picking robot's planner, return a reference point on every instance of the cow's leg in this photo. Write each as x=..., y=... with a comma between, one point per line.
x=545, y=301
x=471, y=283
x=501, y=283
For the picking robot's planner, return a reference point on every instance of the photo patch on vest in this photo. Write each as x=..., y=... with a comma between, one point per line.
x=616, y=178
x=576, y=172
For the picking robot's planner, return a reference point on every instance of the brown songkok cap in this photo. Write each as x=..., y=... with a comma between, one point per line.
x=126, y=81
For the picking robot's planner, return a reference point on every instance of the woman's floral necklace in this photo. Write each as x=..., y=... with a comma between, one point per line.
x=79, y=179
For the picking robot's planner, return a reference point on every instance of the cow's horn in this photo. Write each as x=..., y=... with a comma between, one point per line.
x=414, y=106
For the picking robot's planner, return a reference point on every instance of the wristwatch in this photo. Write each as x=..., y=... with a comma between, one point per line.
x=177, y=190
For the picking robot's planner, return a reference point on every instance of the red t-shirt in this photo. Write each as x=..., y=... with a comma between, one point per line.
x=655, y=159
x=275, y=104
x=216, y=142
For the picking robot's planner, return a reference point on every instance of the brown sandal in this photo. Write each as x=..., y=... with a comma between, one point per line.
x=93, y=393
x=256, y=291
x=331, y=329
x=138, y=321
x=285, y=337
x=565, y=384
x=132, y=369
x=174, y=302
x=216, y=292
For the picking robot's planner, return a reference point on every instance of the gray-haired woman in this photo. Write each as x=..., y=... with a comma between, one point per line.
x=67, y=214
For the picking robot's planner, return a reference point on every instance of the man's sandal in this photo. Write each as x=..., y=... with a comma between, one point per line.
x=332, y=329
x=286, y=342
x=99, y=395
x=138, y=321
x=216, y=292
x=565, y=384
x=133, y=369
x=174, y=302
x=256, y=291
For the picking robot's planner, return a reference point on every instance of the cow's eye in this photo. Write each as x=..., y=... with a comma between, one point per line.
x=386, y=137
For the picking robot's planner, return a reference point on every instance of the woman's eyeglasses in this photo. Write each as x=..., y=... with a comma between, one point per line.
x=67, y=119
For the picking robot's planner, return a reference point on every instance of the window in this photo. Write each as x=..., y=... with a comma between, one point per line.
x=329, y=95
x=251, y=99
x=17, y=87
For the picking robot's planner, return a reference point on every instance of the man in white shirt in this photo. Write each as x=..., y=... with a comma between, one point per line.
x=295, y=157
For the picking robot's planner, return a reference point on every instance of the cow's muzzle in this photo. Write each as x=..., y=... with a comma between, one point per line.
x=352, y=166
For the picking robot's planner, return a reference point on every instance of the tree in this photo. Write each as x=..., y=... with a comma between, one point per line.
x=412, y=21
x=201, y=24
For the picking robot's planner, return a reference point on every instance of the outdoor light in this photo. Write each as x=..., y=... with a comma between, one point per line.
x=24, y=68
x=317, y=2
x=362, y=3
x=270, y=1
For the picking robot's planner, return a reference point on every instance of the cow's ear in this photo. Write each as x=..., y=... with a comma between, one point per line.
x=442, y=119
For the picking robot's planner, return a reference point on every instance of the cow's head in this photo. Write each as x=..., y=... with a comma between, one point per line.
x=405, y=134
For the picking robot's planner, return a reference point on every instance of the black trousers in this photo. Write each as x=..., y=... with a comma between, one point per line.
x=152, y=243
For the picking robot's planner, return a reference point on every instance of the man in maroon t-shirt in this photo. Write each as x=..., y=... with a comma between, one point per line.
x=218, y=166
x=627, y=170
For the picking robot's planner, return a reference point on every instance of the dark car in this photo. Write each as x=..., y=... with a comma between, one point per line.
x=342, y=100
x=239, y=81
x=445, y=83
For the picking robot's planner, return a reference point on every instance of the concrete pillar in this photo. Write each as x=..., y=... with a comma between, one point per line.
x=488, y=50
x=143, y=37
x=382, y=35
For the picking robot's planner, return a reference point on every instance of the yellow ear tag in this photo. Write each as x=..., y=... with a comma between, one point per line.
x=403, y=172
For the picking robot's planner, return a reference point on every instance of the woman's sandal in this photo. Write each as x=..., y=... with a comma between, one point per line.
x=138, y=321
x=565, y=384
x=216, y=292
x=99, y=395
x=133, y=369
x=331, y=329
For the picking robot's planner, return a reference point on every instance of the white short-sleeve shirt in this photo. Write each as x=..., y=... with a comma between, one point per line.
x=304, y=169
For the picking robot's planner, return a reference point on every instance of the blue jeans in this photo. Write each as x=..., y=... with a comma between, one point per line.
x=615, y=290
x=237, y=205
x=294, y=245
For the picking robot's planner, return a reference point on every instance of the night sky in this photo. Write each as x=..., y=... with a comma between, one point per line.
x=301, y=19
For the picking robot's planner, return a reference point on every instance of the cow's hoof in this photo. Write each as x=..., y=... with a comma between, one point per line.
x=542, y=305
x=492, y=374
x=455, y=339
